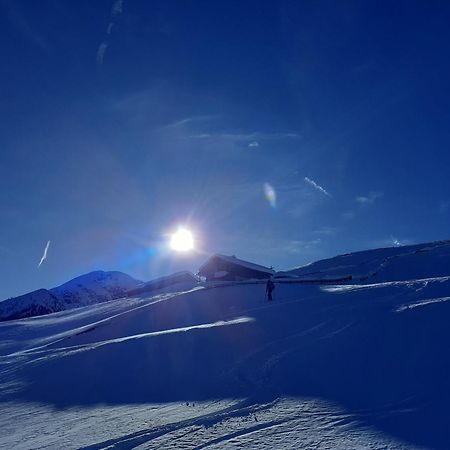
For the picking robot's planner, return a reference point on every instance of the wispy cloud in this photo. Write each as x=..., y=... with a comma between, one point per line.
x=295, y=246
x=101, y=52
x=116, y=11
x=198, y=129
x=369, y=199
x=188, y=121
x=317, y=186
x=326, y=231
x=44, y=255
x=117, y=8
x=348, y=215
x=22, y=25
x=253, y=138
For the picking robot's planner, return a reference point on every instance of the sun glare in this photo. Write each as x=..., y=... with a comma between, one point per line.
x=182, y=240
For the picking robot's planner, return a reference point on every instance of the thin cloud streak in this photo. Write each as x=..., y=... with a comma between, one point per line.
x=44, y=256
x=116, y=11
x=188, y=121
x=317, y=186
x=101, y=52
x=17, y=19
x=253, y=137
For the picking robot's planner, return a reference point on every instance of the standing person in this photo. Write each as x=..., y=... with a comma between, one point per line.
x=270, y=286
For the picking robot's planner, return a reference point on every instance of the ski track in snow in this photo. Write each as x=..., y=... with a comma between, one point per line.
x=425, y=302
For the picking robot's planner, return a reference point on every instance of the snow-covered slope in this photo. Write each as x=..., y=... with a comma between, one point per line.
x=384, y=264
x=343, y=366
x=178, y=281
x=36, y=303
x=94, y=287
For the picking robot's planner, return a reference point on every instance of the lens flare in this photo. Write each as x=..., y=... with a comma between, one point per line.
x=270, y=194
x=182, y=240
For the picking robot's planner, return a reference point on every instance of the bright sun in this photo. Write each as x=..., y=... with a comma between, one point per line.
x=182, y=240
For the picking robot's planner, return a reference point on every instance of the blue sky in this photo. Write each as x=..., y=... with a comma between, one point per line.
x=122, y=119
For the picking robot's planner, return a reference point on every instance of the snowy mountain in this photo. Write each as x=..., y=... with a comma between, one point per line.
x=354, y=365
x=36, y=303
x=94, y=287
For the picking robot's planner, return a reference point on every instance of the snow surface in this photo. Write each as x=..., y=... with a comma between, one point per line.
x=361, y=365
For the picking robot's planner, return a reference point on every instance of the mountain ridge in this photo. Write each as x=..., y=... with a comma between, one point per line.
x=94, y=287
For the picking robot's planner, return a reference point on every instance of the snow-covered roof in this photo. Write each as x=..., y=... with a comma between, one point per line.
x=238, y=262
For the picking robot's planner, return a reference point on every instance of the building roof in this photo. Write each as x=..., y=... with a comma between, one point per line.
x=237, y=262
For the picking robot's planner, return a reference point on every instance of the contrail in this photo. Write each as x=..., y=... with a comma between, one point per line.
x=316, y=186
x=44, y=256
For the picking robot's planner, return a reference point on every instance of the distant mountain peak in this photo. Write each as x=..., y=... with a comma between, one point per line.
x=94, y=287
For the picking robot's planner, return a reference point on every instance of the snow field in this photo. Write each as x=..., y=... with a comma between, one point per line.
x=360, y=366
